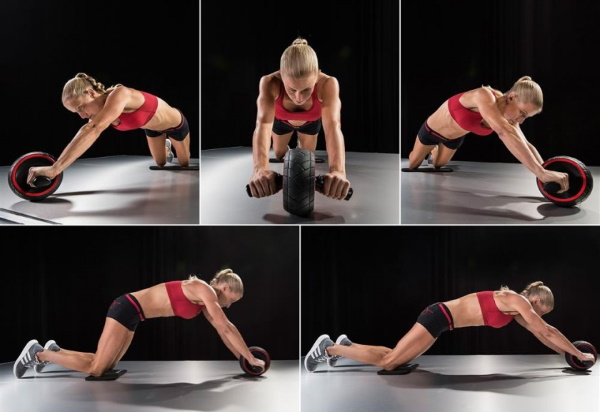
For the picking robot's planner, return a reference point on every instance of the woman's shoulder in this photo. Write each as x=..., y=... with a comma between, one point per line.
x=195, y=282
x=120, y=91
x=327, y=86
x=199, y=287
x=274, y=77
x=479, y=95
x=325, y=78
x=510, y=296
x=488, y=90
x=270, y=83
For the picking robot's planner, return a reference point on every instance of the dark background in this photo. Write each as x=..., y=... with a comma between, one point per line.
x=450, y=47
x=152, y=47
x=373, y=282
x=59, y=282
x=356, y=42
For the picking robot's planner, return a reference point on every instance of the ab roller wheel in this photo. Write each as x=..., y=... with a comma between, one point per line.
x=44, y=186
x=299, y=182
x=258, y=353
x=584, y=347
x=580, y=181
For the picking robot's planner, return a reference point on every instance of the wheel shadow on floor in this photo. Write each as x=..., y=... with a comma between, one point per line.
x=210, y=395
x=495, y=382
x=522, y=208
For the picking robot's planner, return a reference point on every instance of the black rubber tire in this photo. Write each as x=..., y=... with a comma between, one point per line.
x=17, y=176
x=258, y=353
x=581, y=181
x=585, y=347
x=299, y=182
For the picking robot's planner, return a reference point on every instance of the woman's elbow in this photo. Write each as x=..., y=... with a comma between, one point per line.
x=547, y=332
x=332, y=124
x=504, y=133
x=224, y=328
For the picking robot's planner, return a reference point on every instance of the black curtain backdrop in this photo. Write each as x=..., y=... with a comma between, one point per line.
x=373, y=282
x=59, y=282
x=450, y=47
x=152, y=47
x=356, y=42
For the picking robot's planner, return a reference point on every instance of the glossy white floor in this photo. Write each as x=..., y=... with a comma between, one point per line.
x=119, y=190
x=487, y=193
x=478, y=383
x=155, y=386
x=225, y=173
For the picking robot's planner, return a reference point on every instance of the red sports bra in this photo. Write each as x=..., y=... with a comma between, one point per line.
x=491, y=314
x=181, y=305
x=310, y=115
x=467, y=119
x=140, y=116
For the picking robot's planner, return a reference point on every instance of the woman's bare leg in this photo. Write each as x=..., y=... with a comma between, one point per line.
x=417, y=341
x=418, y=154
x=182, y=150
x=280, y=144
x=123, y=350
x=86, y=356
x=307, y=141
x=361, y=353
x=115, y=337
x=157, y=146
x=441, y=156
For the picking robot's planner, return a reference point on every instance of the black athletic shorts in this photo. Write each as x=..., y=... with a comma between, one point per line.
x=282, y=127
x=176, y=133
x=437, y=319
x=430, y=137
x=127, y=311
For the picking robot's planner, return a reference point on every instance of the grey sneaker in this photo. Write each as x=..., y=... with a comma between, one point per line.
x=317, y=353
x=170, y=154
x=27, y=358
x=341, y=340
x=50, y=345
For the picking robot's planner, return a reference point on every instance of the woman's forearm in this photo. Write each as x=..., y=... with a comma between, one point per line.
x=336, y=152
x=83, y=140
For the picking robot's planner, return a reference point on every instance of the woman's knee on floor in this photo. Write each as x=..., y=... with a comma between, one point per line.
x=414, y=160
x=97, y=368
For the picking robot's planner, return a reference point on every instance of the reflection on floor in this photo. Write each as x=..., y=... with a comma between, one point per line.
x=487, y=193
x=155, y=386
x=226, y=172
x=490, y=383
x=110, y=191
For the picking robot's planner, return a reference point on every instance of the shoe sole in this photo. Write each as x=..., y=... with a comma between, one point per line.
x=314, y=346
x=338, y=341
x=39, y=367
x=170, y=155
x=49, y=344
x=23, y=353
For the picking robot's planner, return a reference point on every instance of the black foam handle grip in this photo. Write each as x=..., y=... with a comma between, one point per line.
x=320, y=183
x=41, y=181
x=278, y=184
x=247, y=367
x=551, y=187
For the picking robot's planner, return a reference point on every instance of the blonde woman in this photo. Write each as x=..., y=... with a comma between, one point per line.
x=123, y=108
x=483, y=111
x=486, y=308
x=298, y=98
x=185, y=299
